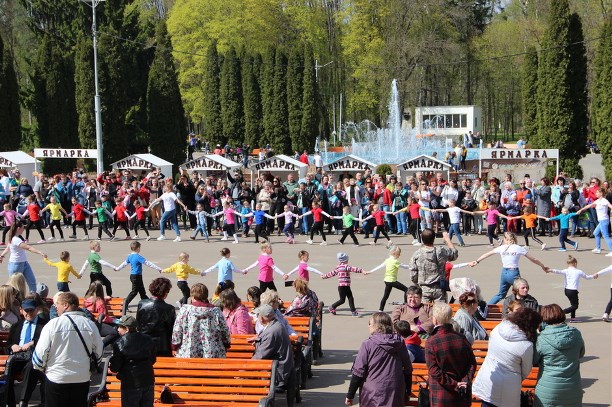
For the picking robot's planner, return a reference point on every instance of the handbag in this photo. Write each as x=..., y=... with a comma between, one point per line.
x=94, y=363
x=23, y=356
x=165, y=397
x=423, y=397
x=527, y=399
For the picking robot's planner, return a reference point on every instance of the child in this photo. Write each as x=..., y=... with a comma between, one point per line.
x=606, y=315
x=33, y=214
x=108, y=205
x=391, y=265
x=95, y=262
x=229, y=227
x=343, y=270
x=266, y=267
x=289, y=227
x=135, y=260
x=56, y=211
x=318, y=224
x=412, y=341
x=348, y=222
x=379, y=216
x=9, y=218
x=182, y=270
x=454, y=215
x=122, y=218
x=492, y=215
x=564, y=218
x=513, y=306
x=303, y=268
x=225, y=267
x=103, y=216
x=141, y=219
x=245, y=210
x=260, y=222
x=201, y=223
x=414, y=228
x=572, y=283
x=78, y=211
x=63, y=269
x=530, y=219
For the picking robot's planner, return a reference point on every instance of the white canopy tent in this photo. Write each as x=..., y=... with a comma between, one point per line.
x=144, y=162
x=350, y=164
x=280, y=165
x=422, y=163
x=26, y=164
x=210, y=162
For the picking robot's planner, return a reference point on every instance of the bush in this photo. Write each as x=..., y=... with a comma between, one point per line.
x=384, y=169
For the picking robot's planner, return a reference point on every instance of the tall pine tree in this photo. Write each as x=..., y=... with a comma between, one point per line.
x=232, y=114
x=164, y=105
x=295, y=77
x=602, y=97
x=267, y=96
x=310, y=102
x=85, y=90
x=213, y=126
x=530, y=94
x=280, y=120
x=10, y=114
x=252, y=101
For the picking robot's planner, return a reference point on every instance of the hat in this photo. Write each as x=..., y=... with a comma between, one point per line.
x=342, y=257
x=127, y=321
x=265, y=310
x=28, y=305
x=42, y=290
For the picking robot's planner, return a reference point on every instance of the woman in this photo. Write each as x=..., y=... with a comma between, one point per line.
x=169, y=200
x=417, y=314
x=9, y=313
x=305, y=303
x=236, y=315
x=472, y=329
x=509, y=360
x=557, y=352
x=382, y=369
x=543, y=197
x=18, y=282
x=264, y=197
x=200, y=330
x=279, y=199
x=156, y=318
x=271, y=298
x=601, y=206
x=18, y=262
x=96, y=303
x=510, y=254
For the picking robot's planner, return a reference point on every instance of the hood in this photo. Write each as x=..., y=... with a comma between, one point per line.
x=390, y=343
x=560, y=337
x=201, y=312
x=510, y=332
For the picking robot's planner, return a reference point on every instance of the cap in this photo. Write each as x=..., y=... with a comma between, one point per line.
x=127, y=321
x=342, y=257
x=28, y=305
x=265, y=310
x=42, y=290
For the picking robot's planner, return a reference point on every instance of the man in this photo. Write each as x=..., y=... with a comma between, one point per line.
x=22, y=339
x=273, y=343
x=290, y=185
x=63, y=357
x=40, y=179
x=427, y=266
x=450, y=362
x=304, y=158
x=520, y=293
x=318, y=161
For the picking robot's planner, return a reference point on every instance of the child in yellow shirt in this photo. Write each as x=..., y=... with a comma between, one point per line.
x=56, y=217
x=182, y=270
x=63, y=270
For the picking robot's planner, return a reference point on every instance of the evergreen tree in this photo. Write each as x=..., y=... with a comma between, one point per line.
x=10, y=114
x=267, y=96
x=602, y=98
x=280, y=120
x=578, y=86
x=85, y=90
x=213, y=126
x=252, y=101
x=530, y=93
x=164, y=106
x=232, y=114
x=295, y=77
x=310, y=103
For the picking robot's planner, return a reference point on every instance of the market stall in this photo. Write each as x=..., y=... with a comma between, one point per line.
x=27, y=165
x=210, y=165
x=280, y=165
x=350, y=165
x=422, y=163
x=146, y=162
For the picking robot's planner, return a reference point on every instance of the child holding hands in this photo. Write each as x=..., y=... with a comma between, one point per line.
x=182, y=269
x=343, y=271
x=572, y=283
x=64, y=268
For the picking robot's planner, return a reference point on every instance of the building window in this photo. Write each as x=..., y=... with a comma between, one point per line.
x=464, y=121
x=456, y=121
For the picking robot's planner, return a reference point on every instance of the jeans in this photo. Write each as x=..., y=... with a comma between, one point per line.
x=602, y=229
x=63, y=287
x=563, y=238
x=506, y=280
x=454, y=230
x=388, y=218
x=306, y=221
x=402, y=226
x=169, y=216
x=69, y=394
x=24, y=268
x=142, y=396
x=201, y=229
x=592, y=212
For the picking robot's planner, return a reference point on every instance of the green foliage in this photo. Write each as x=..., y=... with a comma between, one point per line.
x=232, y=108
x=213, y=126
x=10, y=120
x=578, y=87
x=253, y=125
x=384, y=169
x=310, y=104
x=295, y=73
x=529, y=93
x=267, y=95
x=280, y=120
x=85, y=91
x=602, y=98
x=165, y=110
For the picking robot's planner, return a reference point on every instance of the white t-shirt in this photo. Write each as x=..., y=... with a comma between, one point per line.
x=168, y=199
x=424, y=195
x=601, y=206
x=318, y=160
x=510, y=255
x=454, y=214
x=18, y=255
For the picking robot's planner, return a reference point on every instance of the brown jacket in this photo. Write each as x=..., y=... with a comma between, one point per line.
x=420, y=320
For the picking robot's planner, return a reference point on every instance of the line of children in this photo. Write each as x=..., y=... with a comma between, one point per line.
x=303, y=268
x=136, y=260
x=95, y=262
x=32, y=214
x=343, y=271
x=182, y=269
x=225, y=267
x=64, y=268
x=391, y=266
x=572, y=284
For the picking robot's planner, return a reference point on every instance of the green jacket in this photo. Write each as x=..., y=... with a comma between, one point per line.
x=557, y=353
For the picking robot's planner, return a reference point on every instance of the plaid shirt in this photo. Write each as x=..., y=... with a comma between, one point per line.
x=343, y=271
x=450, y=360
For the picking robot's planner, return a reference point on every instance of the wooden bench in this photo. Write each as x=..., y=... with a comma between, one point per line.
x=207, y=382
x=494, y=311
x=114, y=307
x=4, y=342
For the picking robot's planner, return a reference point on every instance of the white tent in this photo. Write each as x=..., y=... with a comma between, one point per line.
x=422, y=163
x=144, y=162
x=281, y=164
x=22, y=161
x=210, y=162
x=351, y=164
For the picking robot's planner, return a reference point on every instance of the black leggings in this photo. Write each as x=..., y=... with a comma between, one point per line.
x=137, y=288
x=415, y=228
x=378, y=229
x=141, y=223
x=4, y=232
x=79, y=223
x=491, y=233
x=349, y=232
x=572, y=296
x=182, y=285
x=124, y=226
x=36, y=224
x=318, y=226
x=531, y=232
x=345, y=292
x=103, y=280
x=388, y=287
x=609, y=306
x=57, y=224
x=263, y=286
x=103, y=226
x=260, y=231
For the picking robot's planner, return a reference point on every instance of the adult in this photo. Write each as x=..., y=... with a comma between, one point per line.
x=187, y=191
x=290, y=185
x=382, y=369
x=63, y=355
x=601, y=206
x=18, y=262
x=236, y=314
x=156, y=318
x=305, y=302
x=510, y=254
x=509, y=360
x=520, y=293
x=465, y=318
x=557, y=353
x=417, y=314
x=271, y=298
x=450, y=362
x=589, y=192
x=200, y=331
x=543, y=201
x=264, y=198
x=427, y=265
x=169, y=200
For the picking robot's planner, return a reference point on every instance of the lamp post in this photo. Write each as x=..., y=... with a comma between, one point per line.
x=97, y=104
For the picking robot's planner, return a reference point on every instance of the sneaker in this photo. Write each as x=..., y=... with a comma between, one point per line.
x=355, y=313
x=61, y=240
x=224, y=238
x=41, y=241
x=331, y=310
x=373, y=243
x=461, y=244
x=234, y=242
x=309, y=241
x=562, y=250
x=161, y=237
x=148, y=238
x=325, y=244
x=606, y=318
x=339, y=242
x=418, y=244
x=355, y=245
x=415, y=242
x=72, y=236
x=192, y=237
x=85, y=238
x=576, y=246
x=389, y=244
x=490, y=244
x=543, y=246
x=609, y=254
x=596, y=251
x=136, y=237
x=178, y=239
x=50, y=239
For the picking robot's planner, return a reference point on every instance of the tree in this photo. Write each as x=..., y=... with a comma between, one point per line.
x=165, y=110
x=213, y=126
x=232, y=115
x=267, y=95
x=280, y=120
x=530, y=93
x=295, y=73
x=84, y=80
x=602, y=98
x=252, y=100
x=578, y=86
x=310, y=103
x=10, y=113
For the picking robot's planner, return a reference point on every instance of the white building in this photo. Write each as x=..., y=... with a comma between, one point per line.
x=448, y=120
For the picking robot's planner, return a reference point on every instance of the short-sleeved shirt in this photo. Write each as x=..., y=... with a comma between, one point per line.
x=135, y=261
x=55, y=209
x=348, y=220
x=454, y=214
x=169, y=198
x=18, y=255
x=510, y=255
x=492, y=215
x=601, y=206
x=530, y=220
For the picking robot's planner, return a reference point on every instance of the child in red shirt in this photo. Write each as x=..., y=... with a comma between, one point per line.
x=379, y=217
x=33, y=214
x=122, y=218
x=317, y=215
x=78, y=211
x=141, y=219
